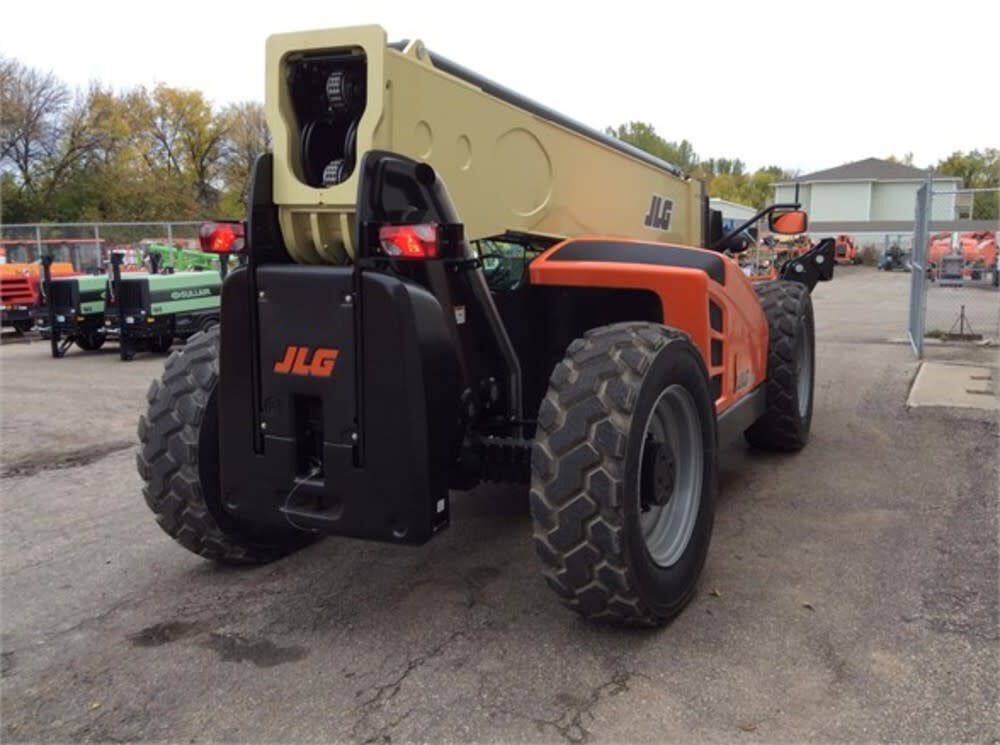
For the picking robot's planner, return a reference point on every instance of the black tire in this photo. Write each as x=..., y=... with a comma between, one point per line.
x=791, y=365
x=178, y=460
x=90, y=342
x=209, y=323
x=585, y=474
x=161, y=344
x=22, y=327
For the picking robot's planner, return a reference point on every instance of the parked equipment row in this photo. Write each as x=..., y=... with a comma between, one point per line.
x=142, y=312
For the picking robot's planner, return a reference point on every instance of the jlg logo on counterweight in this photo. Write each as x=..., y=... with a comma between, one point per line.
x=297, y=362
x=660, y=209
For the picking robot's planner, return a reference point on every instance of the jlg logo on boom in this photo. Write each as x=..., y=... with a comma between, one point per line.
x=660, y=210
x=297, y=362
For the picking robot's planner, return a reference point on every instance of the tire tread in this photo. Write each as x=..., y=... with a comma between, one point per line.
x=578, y=472
x=780, y=428
x=167, y=459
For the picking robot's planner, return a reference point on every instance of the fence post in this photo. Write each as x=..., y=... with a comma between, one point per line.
x=170, y=242
x=918, y=267
x=49, y=307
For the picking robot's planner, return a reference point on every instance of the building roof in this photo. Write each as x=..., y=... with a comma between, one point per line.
x=870, y=169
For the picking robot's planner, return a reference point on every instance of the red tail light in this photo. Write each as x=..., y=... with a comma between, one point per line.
x=409, y=241
x=221, y=237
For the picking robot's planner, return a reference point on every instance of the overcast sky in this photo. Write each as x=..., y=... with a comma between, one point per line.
x=804, y=85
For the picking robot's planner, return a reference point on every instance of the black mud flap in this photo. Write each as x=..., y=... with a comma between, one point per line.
x=339, y=407
x=812, y=267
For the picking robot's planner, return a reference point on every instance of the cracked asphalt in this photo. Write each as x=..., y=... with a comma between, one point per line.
x=850, y=594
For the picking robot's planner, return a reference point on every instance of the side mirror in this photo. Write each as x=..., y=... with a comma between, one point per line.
x=787, y=222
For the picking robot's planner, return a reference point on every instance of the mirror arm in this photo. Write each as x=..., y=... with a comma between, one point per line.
x=756, y=218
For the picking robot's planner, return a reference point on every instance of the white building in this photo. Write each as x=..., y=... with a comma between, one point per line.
x=872, y=199
x=733, y=213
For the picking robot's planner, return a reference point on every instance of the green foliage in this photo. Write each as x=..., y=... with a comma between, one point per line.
x=247, y=137
x=143, y=154
x=978, y=170
x=753, y=190
x=726, y=178
x=723, y=167
x=645, y=137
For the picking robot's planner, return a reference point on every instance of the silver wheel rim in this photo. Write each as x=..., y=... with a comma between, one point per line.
x=804, y=368
x=667, y=527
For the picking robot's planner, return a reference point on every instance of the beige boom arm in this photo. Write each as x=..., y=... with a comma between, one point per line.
x=510, y=166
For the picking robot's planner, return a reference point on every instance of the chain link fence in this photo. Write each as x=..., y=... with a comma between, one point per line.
x=967, y=309
x=874, y=247
x=88, y=246
x=955, y=290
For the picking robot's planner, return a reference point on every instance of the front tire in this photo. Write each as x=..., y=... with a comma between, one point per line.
x=791, y=363
x=179, y=462
x=90, y=342
x=161, y=344
x=624, y=474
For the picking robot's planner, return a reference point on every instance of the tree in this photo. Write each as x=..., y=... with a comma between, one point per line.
x=753, y=190
x=247, y=137
x=77, y=139
x=645, y=137
x=138, y=155
x=31, y=103
x=759, y=189
x=31, y=107
x=180, y=139
x=48, y=136
x=723, y=166
x=726, y=178
x=978, y=170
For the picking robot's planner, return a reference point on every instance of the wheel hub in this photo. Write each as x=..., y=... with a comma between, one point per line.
x=659, y=474
x=670, y=479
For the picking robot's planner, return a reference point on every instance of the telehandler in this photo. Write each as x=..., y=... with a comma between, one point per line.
x=564, y=314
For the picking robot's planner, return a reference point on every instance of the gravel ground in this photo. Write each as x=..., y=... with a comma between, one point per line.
x=850, y=593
